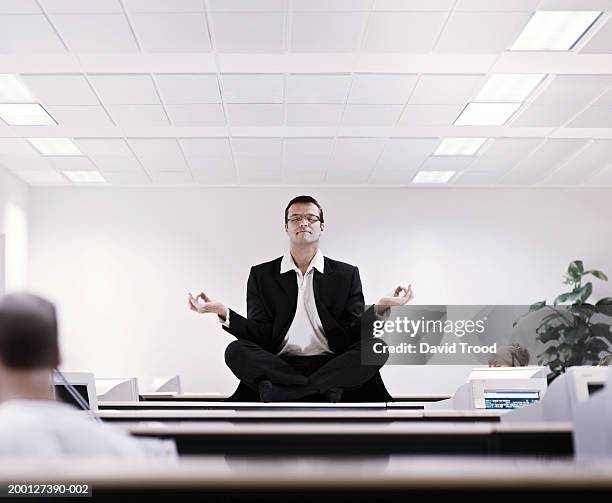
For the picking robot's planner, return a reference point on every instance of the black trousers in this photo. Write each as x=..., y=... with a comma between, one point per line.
x=305, y=376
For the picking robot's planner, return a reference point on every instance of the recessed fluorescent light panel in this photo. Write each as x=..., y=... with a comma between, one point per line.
x=433, y=176
x=509, y=86
x=55, y=146
x=459, y=146
x=486, y=114
x=12, y=90
x=554, y=30
x=84, y=176
x=25, y=114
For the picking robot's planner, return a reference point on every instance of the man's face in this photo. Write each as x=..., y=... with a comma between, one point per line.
x=299, y=229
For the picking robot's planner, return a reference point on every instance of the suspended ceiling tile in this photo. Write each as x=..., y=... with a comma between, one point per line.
x=411, y=32
x=172, y=32
x=95, y=33
x=249, y=32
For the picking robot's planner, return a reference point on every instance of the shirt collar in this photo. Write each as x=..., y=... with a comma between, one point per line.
x=317, y=262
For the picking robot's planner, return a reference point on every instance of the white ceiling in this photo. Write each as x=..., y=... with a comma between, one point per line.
x=318, y=92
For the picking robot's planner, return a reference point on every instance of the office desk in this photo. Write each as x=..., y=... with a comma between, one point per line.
x=289, y=414
x=419, y=397
x=162, y=396
x=364, y=438
x=217, y=405
x=260, y=416
x=165, y=396
x=384, y=479
x=246, y=406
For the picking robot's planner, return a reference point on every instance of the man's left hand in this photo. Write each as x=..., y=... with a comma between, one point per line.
x=395, y=299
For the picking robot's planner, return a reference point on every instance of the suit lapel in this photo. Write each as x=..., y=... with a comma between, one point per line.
x=288, y=305
x=321, y=287
x=288, y=283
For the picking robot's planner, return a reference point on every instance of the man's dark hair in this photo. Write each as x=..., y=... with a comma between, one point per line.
x=28, y=332
x=304, y=199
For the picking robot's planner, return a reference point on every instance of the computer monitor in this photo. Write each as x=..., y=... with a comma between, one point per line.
x=593, y=424
x=584, y=381
x=509, y=393
x=507, y=372
x=167, y=384
x=499, y=394
x=576, y=385
x=82, y=382
x=506, y=394
x=121, y=389
x=594, y=388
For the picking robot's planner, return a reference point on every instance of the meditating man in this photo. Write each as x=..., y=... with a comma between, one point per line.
x=301, y=339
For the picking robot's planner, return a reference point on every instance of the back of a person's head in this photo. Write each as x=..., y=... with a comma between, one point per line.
x=515, y=355
x=28, y=332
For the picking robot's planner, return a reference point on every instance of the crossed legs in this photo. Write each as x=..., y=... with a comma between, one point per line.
x=296, y=377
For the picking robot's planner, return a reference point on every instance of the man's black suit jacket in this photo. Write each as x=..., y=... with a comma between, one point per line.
x=271, y=306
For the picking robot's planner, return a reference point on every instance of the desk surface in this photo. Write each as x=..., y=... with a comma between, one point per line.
x=304, y=428
x=216, y=397
x=243, y=405
x=314, y=414
x=220, y=405
x=307, y=428
x=262, y=415
x=380, y=473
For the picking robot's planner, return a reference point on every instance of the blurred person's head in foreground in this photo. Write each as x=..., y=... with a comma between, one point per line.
x=29, y=349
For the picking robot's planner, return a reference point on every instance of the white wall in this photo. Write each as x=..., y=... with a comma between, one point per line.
x=120, y=261
x=14, y=196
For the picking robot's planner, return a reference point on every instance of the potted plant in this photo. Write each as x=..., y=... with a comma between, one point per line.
x=574, y=334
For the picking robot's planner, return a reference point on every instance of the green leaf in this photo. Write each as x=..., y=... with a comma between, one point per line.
x=577, y=357
x=601, y=330
x=604, y=306
x=575, y=268
x=591, y=357
x=566, y=351
x=598, y=274
x=575, y=334
x=537, y=306
x=583, y=311
x=587, y=306
x=586, y=291
x=597, y=346
x=532, y=308
x=543, y=359
x=554, y=374
x=567, y=297
x=549, y=318
x=550, y=354
x=552, y=334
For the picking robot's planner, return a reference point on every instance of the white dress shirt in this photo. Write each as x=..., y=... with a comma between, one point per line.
x=305, y=336
x=48, y=429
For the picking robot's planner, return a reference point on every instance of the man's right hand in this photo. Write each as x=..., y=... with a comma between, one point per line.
x=205, y=304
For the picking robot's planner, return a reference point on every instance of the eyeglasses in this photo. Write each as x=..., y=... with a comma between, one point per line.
x=296, y=219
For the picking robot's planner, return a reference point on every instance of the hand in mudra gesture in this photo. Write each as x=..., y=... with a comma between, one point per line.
x=205, y=304
x=398, y=297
